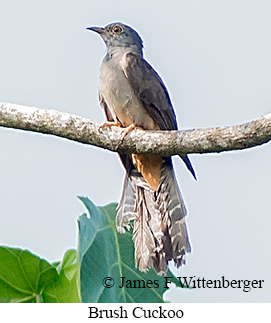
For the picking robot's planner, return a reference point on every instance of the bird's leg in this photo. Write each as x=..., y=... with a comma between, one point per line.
x=110, y=124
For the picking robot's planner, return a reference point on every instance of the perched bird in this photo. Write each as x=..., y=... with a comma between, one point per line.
x=133, y=95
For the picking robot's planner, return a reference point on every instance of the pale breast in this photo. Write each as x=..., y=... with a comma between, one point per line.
x=120, y=97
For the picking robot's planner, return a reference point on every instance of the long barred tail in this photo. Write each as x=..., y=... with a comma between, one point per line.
x=159, y=228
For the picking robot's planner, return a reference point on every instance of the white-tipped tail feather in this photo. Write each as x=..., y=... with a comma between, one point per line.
x=159, y=228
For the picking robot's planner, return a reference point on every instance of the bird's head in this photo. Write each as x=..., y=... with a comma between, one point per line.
x=119, y=35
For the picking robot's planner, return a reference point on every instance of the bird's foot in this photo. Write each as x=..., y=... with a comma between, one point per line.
x=128, y=129
x=109, y=124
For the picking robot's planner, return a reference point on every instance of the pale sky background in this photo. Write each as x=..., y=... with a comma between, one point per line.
x=214, y=57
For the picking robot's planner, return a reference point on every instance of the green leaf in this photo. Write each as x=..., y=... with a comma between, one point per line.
x=23, y=276
x=26, y=278
x=103, y=252
x=65, y=288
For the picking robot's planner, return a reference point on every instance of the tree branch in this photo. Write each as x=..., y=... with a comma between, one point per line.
x=164, y=143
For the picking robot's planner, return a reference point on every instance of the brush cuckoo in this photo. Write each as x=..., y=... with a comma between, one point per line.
x=133, y=95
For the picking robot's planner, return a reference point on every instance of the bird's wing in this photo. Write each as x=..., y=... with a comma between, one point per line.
x=153, y=94
x=150, y=90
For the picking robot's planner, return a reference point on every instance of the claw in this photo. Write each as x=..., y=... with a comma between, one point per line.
x=109, y=124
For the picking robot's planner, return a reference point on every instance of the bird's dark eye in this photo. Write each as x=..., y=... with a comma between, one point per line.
x=117, y=29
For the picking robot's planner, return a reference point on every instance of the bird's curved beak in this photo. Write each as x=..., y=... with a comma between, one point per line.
x=98, y=30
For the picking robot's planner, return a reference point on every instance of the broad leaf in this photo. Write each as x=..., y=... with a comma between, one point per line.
x=26, y=278
x=106, y=256
x=23, y=276
x=65, y=288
